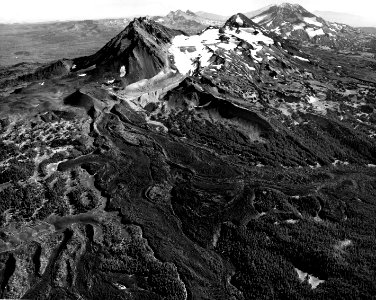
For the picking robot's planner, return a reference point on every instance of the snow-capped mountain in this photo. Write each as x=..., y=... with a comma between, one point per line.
x=239, y=47
x=207, y=49
x=295, y=22
x=291, y=20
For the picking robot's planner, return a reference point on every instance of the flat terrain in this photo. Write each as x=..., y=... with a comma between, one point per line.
x=51, y=41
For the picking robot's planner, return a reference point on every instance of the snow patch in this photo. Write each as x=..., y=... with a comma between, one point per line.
x=277, y=30
x=216, y=236
x=260, y=18
x=312, y=21
x=312, y=280
x=339, y=162
x=317, y=219
x=312, y=32
x=82, y=75
x=315, y=166
x=298, y=26
x=291, y=221
x=255, y=40
x=188, y=51
x=239, y=20
x=301, y=58
x=122, y=71
x=343, y=244
x=120, y=286
x=312, y=99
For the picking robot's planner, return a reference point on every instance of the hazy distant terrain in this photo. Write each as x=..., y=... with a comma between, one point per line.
x=43, y=42
x=211, y=16
x=371, y=30
x=348, y=19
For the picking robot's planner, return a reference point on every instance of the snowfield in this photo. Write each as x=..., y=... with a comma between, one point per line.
x=312, y=21
x=122, y=71
x=298, y=26
x=301, y=58
x=260, y=18
x=314, y=32
x=239, y=20
x=191, y=50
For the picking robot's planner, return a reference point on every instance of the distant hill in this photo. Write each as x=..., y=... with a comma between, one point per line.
x=43, y=42
x=256, y=12
x=370, y=30
x=348, y=19
x=211, y=16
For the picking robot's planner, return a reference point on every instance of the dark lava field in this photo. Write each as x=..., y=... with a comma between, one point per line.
x=233, y=164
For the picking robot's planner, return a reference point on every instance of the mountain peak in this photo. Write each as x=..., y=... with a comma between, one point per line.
x=291, y=15
x=293, y=21
x=178, y=12
x=289, y=5
x=287, y=9
x=191, y=13
x=240, y=20
x=134, y=54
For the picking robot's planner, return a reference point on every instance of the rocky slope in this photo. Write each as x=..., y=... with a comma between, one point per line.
x=238, y=167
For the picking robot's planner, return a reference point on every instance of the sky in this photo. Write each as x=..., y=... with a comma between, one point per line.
x=51, y=10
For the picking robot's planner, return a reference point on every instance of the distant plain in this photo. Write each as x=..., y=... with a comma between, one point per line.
x=45, y=42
